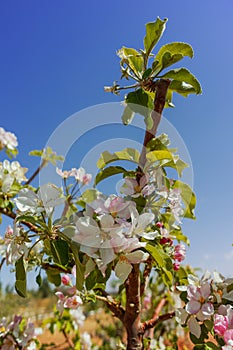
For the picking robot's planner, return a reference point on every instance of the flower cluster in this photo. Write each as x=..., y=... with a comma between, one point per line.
x=80, y=175
x=18, y=334
x=7, y=139
x=71, y=299
x=11, y=172
x=223, y=325
x=110, y=230
x=207, y=300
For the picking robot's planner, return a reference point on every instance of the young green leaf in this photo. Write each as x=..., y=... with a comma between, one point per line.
x=110, y=171
x=188, y=198
x=129, y=154
x=184, y=75
x=132, y=58
x=181, y=88
x=172, y=53
x=154, y=31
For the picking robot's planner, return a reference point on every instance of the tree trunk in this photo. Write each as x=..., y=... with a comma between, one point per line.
x=132, y=317
x=132, y=320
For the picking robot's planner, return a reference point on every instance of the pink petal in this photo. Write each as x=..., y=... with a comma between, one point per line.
x=205, y=290
x=193, y=307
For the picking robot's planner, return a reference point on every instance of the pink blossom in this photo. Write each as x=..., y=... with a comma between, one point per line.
x=198, y=301
x=179, y=253
x=220, y=324
x=228, y=337
x=66, y=280
x=159, y=224
x=73, y=302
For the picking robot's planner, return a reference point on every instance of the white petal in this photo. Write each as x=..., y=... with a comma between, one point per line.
x=194, y=327
x=122, y=270
x=137, y=256
x=107, y=255
x=107, y=221
x=193, y=306
x=181, y=316
x=144, y=220
x=205, y=290
x=7, y=183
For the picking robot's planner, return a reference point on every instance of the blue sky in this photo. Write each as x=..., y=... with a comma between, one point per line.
x=56, y=56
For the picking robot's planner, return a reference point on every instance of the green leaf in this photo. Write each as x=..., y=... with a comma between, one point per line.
x=156, y=254
x=157, y=155
x=47, y=154
x=167, y=277
x=212, y=346
x=129, y=154
x=90, y=195
x=21, y=277
x=80, y=268
x=154, y=31
x=131, y=57
x=181, y=88
x=140, y=102
x=172, y=53
x=127, y=116
x=39, y=279
x=178, y=164
x=188, y=198
x=54, y=277
x=147, y=73
x=91, y=280
x=110, y=171
x=168, y=102
x=60, y=252
x=183, y=74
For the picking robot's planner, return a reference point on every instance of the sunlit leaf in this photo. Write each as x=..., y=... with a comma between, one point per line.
x=172, y=53
x=184, y=75
x=129, y=154
x=110, y=171
x=154, y=31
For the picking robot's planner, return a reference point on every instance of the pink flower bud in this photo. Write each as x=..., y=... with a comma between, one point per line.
x=220, y=324
x=159, y=224
x=179, y=253
x=66, y=280
x=176, y=266
x=166, y=240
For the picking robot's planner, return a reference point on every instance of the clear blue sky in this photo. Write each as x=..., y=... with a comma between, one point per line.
x=56, y=56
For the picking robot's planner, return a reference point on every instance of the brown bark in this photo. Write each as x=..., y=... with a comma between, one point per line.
x=132, y=319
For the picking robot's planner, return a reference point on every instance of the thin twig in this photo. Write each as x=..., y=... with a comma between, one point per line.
x=43, y=163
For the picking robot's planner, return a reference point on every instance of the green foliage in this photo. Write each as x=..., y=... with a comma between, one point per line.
x=129, y=154
x=47, y=155
x=183, y=75
x=60, y=252
x=21, y=277
x=154, y=30
x=136, y=65
x=188, y=197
